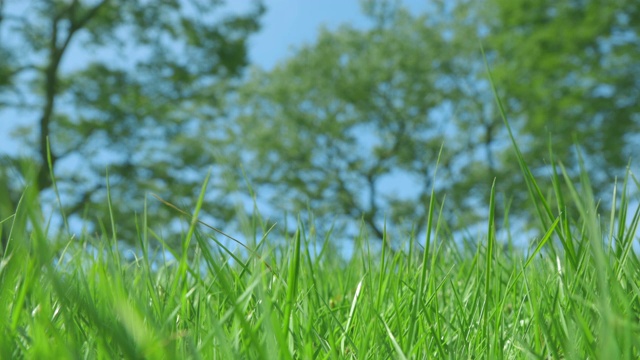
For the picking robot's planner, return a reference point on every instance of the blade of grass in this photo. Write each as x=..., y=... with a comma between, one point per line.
x=352, y=312
x=564, y=234
x=292, y=282
x=396, y=346
x=535, y=193
x=417, y=301
x=253, y=252
x=488, y=272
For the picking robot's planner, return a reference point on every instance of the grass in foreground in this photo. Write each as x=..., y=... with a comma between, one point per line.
x=573, y=296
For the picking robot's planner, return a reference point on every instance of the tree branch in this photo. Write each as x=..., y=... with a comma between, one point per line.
x=1, y=11
x=51, y=85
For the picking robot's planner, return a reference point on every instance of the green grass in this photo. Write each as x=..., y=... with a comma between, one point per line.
x=572, y=295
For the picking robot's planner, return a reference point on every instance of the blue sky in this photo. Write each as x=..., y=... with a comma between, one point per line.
x=291, y=23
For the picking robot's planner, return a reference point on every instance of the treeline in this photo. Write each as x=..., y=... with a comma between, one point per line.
x=348, y=129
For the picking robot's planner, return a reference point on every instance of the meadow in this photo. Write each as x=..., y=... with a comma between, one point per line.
x=570, y=294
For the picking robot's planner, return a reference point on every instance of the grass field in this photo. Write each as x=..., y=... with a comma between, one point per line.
x=572, y=295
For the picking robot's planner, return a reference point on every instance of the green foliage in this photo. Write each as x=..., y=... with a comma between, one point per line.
x=568, y=72
x=150, y=93
x=334, y=120
x=327, y=127
x=130, y=85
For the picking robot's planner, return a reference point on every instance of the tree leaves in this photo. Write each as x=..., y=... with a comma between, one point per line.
x=131, y=86
x=358, y=106
x=158, y=94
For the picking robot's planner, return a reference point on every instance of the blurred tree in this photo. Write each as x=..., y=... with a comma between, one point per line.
x=572, y=70
x=329, y=127
x=568, y=72
x=333, y=126
x=134, y=85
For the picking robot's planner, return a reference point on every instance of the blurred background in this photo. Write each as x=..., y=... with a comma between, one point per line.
x=343, y=115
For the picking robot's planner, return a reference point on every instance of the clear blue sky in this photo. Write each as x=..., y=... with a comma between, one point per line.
x=291, y=23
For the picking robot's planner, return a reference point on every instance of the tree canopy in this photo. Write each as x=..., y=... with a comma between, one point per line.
x=353, y=127
x=132, y=86
x=328, y=126
x=569, y=70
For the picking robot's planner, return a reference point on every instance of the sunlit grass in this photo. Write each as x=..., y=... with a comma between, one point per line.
x=572, y=295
